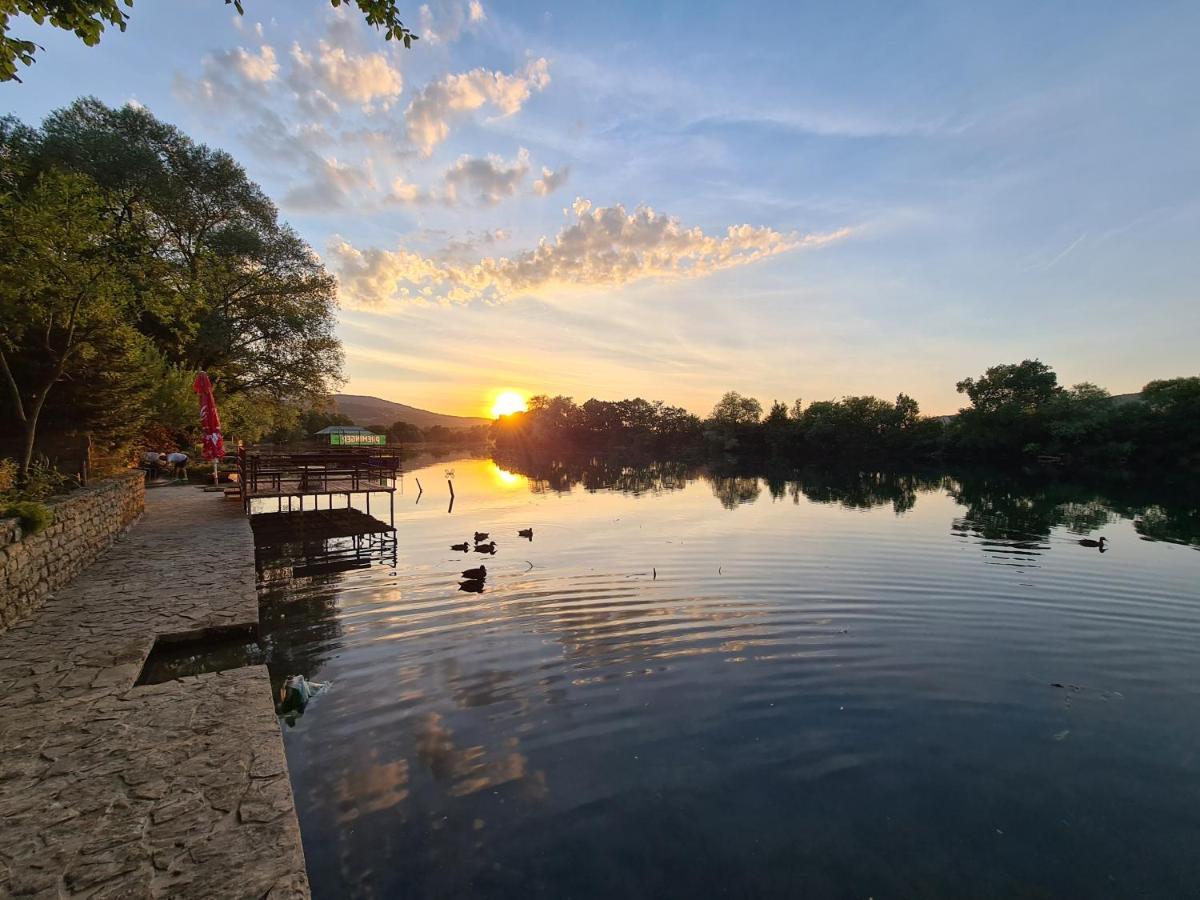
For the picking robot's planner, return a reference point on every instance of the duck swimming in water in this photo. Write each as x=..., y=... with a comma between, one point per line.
x=480, y=536
x=1088, y=542
x=526, y=533
x=464, y=546
x=489, y=547
x=477, y=574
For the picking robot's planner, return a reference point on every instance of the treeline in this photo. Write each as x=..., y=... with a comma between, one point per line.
x=132, y=256
x=1017, y=412
x=401, y=432
x=999, y=504
x=310, y=421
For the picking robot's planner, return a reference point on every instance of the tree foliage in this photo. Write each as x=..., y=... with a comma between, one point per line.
x=62, y=297
x=87, y=19
x=185, y=264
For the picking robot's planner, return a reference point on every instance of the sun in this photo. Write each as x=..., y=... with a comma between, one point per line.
x=507, y=403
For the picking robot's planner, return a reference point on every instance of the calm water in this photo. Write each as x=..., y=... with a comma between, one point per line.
x=805, y=685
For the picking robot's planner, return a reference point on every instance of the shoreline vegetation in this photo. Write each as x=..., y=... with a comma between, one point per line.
x=1001, y=503
x=1018, y=414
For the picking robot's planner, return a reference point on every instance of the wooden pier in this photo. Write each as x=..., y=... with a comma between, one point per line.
x=310, y=529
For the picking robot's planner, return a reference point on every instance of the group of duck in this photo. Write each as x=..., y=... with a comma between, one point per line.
x=472, y=579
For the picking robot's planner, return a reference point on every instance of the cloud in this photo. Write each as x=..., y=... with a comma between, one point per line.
x=239, y=24
x=260, y=68
x=603, y=247
x=404, y=191
x=329, y=185
x=428, y=118
x=551, y=180
x=444, y=21
x=332, y=72
x=489, y=178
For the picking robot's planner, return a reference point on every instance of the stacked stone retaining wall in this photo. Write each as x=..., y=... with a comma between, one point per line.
x=86, y=522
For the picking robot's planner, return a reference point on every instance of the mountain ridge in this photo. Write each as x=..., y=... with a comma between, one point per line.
x=364, y=409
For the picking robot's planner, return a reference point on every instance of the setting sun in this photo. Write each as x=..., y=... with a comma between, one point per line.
x=507, y=403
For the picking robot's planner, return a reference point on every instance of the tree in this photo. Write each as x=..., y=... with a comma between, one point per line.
x=403, y=432
x=214, y=279
x=222, y=284
x=88, y=19
x=1008, y=409
x=1024, y=387
x=733, y=409
x=61, y=291
x=780, y=428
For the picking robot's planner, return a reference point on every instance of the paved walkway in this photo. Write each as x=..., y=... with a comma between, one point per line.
x=171, y=790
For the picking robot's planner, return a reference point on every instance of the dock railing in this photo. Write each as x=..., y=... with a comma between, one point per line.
x=275, y=472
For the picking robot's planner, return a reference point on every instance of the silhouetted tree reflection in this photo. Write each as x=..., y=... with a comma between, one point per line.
x=734, y=490
x=865, y=490
x=1016, y=507
x=1011, y=506
x=599, y=473
x=1179, y=525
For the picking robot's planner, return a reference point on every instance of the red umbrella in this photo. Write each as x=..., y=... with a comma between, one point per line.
x=210, y=422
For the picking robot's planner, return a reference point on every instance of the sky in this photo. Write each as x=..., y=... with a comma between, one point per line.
x=674, y=200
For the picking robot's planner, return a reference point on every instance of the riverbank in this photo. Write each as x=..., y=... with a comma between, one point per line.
x=177, y=789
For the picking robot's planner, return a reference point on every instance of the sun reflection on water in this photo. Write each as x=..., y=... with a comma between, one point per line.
x=506, y=479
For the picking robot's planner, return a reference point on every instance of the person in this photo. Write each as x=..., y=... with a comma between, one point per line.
x=153, y=462
x=178, y=460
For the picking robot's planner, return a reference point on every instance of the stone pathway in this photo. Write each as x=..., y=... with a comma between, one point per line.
x=170, y=790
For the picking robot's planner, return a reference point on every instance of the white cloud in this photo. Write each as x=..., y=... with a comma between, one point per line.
x=429, y=114
x=489, y=178
x=403, y=191
x=259, y=69
x=330, y=185
x=551, y=180
x=603, y=247
x=230, y=78
x=444, y=21
x=365, y=79
x=239, y=24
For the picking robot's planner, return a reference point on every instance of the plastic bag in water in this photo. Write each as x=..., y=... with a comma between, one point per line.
x=295, y=694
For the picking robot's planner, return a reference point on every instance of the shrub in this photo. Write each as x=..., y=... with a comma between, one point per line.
x=8, y=474
x=34, y=516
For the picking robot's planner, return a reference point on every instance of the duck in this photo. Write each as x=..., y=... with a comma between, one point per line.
x=480, y=536
x=477, y=574
x=464, y=546
x=1088, y=542
x=526, y=533
x=489, y=547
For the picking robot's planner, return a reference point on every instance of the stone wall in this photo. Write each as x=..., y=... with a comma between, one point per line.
x=86, y=521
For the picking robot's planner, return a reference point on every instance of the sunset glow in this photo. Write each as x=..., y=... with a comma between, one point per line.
x=508, y=403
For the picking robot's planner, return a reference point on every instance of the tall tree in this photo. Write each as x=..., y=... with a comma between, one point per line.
x=221, y=284
x=62, y=293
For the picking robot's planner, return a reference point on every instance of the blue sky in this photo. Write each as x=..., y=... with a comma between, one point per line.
x=926, y=188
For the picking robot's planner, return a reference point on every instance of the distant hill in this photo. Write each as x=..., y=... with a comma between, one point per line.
x=375, y=411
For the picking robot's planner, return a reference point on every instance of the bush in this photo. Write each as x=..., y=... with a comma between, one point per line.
x=43, y=481
x=34, y=516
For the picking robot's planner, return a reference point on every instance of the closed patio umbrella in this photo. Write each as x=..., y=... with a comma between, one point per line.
x=210, y=422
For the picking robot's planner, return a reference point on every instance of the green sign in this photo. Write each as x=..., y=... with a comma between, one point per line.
x=347, y=440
